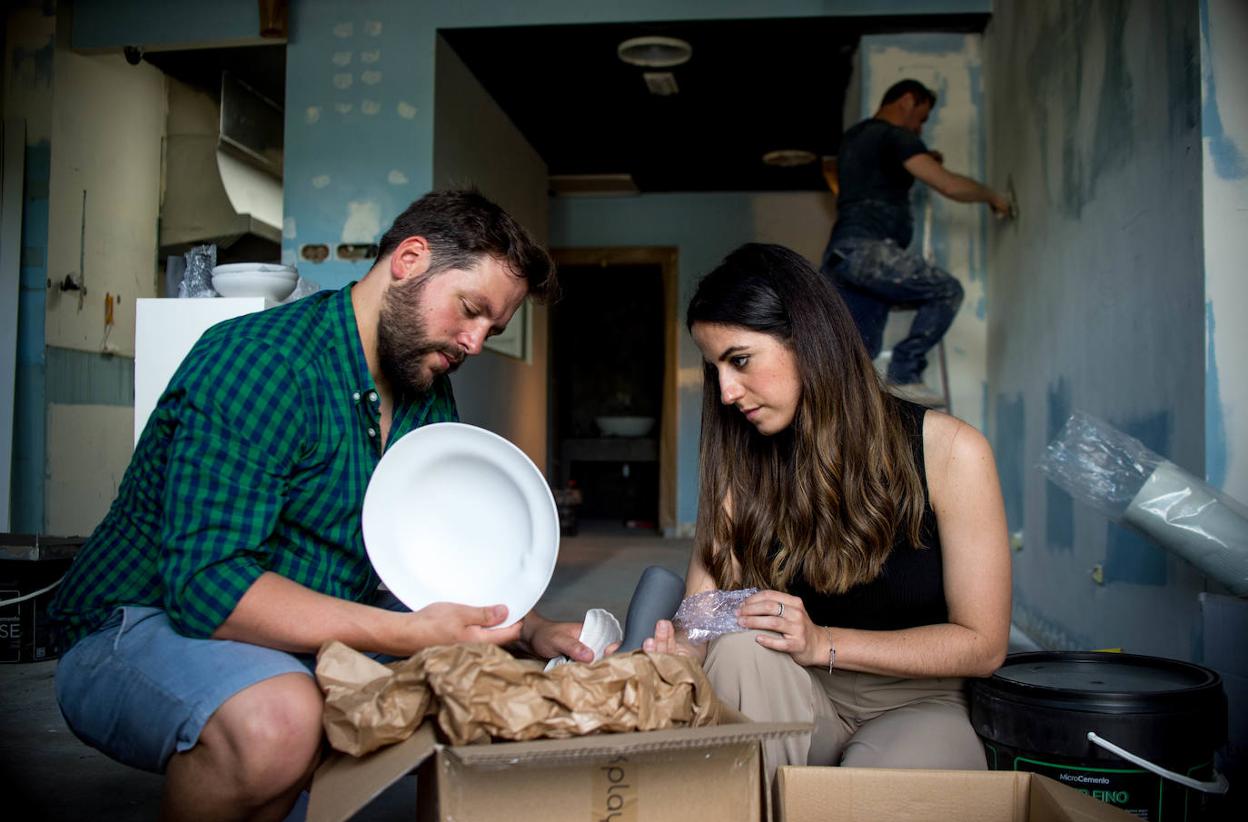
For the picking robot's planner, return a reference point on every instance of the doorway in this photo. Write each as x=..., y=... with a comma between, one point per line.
x=612, y=418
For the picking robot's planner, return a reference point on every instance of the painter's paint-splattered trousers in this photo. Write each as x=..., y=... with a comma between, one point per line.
x=876, y=275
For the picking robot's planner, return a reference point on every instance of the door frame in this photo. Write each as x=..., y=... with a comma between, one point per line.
x=666, y=258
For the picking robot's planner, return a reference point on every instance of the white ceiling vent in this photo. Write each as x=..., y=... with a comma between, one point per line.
x=654, y=52
x=661, y=83
x=789, y=157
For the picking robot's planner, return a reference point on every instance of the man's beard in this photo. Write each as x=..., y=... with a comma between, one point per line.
x=403, y=342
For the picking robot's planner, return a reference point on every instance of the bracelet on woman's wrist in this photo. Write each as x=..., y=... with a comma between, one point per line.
x=831, y=654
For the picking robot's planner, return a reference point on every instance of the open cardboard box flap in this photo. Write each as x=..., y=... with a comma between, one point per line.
x=344, y=784
x=866, y=795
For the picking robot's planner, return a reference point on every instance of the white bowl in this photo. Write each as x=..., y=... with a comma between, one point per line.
x=455, y=513
x=275, y=269
x=253, y=284
x=624, y=426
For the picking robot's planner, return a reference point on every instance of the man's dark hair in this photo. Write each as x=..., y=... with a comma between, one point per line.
x=921, y=93
x=460, y=226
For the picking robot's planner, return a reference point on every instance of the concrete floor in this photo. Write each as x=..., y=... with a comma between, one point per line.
x=49, y=775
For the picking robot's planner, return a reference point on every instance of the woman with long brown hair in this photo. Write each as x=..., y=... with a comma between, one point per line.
x=873, y=528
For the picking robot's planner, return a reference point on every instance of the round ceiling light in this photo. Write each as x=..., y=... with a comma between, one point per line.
x=654, y=52
x=789, y=157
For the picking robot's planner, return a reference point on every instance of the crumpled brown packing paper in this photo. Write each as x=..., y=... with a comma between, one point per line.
x=479, y=692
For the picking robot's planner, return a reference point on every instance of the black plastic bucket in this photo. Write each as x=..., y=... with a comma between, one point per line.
x=1036, y=712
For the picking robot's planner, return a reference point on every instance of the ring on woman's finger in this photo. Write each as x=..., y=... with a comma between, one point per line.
x=780, y=612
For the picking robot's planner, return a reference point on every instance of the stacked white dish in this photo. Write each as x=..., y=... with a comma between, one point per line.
x=269, y=280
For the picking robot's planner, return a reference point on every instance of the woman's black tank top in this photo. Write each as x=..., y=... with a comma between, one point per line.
x=910, y=589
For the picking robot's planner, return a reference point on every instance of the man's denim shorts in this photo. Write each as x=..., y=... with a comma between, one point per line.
x=140, y=692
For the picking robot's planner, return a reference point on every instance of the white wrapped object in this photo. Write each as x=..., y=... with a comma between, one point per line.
x=599, y=630
x=1123, y=479
x=1194, y=521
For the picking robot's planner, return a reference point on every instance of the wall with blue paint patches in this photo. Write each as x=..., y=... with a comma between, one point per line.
x=704, y=228
x=955, y=234
x=350, y=124
x=1224, y=132
x=1096, y=297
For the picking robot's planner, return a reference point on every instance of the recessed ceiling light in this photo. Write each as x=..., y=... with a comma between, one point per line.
x=789, y=157
x=654, y=52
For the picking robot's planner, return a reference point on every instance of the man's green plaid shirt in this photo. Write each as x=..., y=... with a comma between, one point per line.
x=256, y=459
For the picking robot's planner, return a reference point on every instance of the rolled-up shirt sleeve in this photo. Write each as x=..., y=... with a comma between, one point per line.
x=239, y=437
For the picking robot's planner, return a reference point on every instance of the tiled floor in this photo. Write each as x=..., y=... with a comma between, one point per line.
x=49, y=775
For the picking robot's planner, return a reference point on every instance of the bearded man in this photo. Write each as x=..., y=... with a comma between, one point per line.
x=234, y=551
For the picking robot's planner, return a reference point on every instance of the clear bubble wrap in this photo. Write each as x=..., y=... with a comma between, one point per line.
x=711, y=614
x=1098, y=464
x=197, y=278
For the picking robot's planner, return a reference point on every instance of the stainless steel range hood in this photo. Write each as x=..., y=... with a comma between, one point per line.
x=216, y=189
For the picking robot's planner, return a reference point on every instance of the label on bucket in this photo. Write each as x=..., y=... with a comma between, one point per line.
x=1134, y=790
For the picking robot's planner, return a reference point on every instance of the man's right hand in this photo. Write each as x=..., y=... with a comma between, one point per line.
x=1001, y=206
x=445, y=623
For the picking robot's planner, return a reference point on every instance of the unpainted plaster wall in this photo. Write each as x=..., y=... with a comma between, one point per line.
x=475, y=144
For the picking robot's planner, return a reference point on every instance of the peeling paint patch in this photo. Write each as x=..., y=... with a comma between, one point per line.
x=372, y=28
x=341, y=58
x=406, y=110
x=344, y=30
x=396, y=178
x=369, y=107
x=363, y=222
x=312, y=114
x=371, y=56
x=343, y=108
x=288, y=256
x=289, y=230
x=320, y=181
x=343, y=80
x=370, y=78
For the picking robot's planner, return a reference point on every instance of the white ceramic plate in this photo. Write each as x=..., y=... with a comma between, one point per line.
x=455, y=513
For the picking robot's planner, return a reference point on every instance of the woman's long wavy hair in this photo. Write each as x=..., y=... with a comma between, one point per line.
x=825, y=499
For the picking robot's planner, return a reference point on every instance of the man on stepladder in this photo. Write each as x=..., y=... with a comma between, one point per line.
x=867, y=255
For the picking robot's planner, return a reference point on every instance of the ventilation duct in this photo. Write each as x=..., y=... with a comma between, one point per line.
x=223, y=173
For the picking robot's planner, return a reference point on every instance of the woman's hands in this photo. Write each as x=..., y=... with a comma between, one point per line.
x=667, y=640
x=799, y=637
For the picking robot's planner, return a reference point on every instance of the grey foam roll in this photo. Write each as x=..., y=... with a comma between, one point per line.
x=658, y=594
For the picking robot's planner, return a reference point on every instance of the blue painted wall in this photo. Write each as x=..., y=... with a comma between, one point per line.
x=1096, y=297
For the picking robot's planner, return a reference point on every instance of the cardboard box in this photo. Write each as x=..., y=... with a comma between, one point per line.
x=657, y=776
x=867, y=795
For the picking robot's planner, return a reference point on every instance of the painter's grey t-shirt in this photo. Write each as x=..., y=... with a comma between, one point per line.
x=874, y=202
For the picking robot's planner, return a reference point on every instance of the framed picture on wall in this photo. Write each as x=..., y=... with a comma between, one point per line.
x=514, y=341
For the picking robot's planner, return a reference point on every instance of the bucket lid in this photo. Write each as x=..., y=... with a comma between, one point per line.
x=1103, y=680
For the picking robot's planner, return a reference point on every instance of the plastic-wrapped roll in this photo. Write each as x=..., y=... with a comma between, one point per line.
x=1194, y=521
